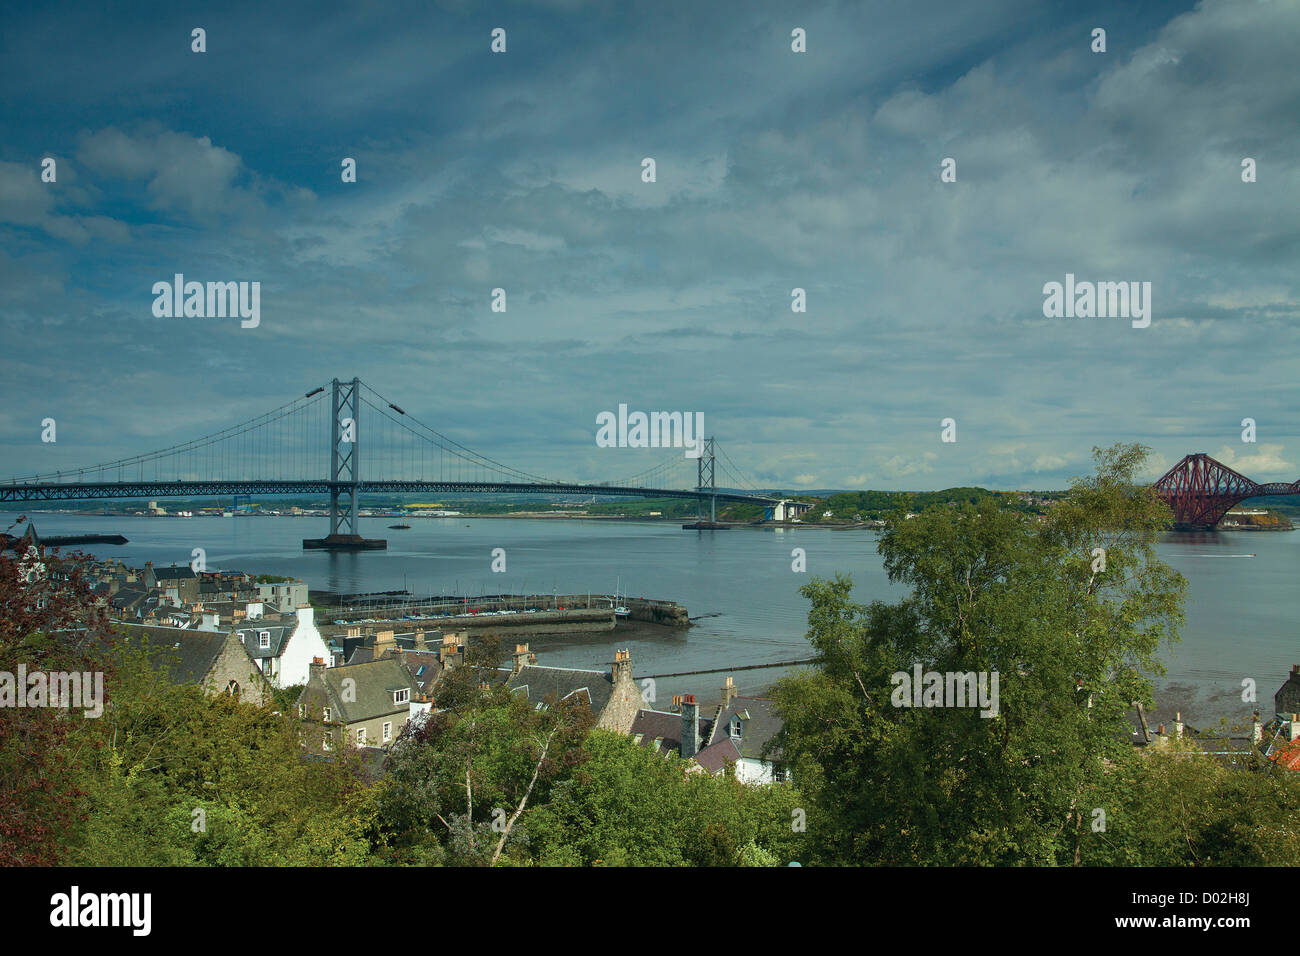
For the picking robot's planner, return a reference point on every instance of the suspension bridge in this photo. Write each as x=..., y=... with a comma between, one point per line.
x=1200, y=490
x=284, y=451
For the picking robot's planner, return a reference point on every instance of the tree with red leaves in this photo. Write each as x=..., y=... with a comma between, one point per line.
x=42, y=594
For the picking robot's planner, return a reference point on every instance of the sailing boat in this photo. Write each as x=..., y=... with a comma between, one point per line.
x=619, y=609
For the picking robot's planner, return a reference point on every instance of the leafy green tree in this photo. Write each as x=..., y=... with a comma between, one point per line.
x=995, y=592
x=460, y=780
x=175, y=776
x=630, y=806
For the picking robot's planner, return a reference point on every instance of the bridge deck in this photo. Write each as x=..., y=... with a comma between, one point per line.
x=72, y=491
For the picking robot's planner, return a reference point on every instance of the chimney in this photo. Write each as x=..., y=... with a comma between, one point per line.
x=728, y=693
x=353, y=632
x=384, y=639
x=1257, y=730
x=419, y=641
x=622, y=670
x=1295, y=726
x=522, y=658
x=690, y=726
x=317, y=667
x=1178, y=724
x=450, y=648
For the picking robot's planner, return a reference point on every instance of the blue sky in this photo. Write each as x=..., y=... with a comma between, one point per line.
x=775, y=170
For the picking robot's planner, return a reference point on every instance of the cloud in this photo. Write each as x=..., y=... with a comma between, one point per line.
x=1264, y=459
x=775, y=171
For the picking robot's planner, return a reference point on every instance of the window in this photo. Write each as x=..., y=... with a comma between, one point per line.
x=388, y=731
x=401, y=696
x=326, y=715
x=264, y=639
x=735, y=727
x=302, y=711
x=232, y=689
x=361, y=736
x=327, y=740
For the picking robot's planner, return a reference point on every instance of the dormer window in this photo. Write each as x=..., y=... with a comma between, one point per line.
x=734, y=729
x=401, y=696
x=264, y=639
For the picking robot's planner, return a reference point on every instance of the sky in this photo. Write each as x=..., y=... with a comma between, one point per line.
x=774, y=170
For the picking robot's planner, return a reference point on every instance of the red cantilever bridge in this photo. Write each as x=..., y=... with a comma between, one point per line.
x=1200, y=490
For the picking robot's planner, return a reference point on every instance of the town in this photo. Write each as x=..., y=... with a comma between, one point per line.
x=361, y=685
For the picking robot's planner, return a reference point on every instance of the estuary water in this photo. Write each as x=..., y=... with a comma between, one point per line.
x=737, y=584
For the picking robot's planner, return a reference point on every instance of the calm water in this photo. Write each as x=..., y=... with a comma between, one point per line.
x=1241, y=611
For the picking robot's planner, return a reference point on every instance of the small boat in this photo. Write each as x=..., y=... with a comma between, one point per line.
x=619, y=609
x=399, y=527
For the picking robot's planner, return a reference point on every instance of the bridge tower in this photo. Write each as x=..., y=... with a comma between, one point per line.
x=344, y=454
x=707, y=480
x=345, y=473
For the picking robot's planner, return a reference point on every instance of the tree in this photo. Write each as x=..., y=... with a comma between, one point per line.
x=995, y=593
x=41, y=594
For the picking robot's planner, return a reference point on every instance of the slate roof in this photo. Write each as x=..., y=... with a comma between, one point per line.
x=128, y=598
x=425, y=669
x=187, y=655
x=537, y=683
x=716, y=756
x=375, y=683
x=280, y=634
x=665, y=726
x=174, y=572
x=759, y=723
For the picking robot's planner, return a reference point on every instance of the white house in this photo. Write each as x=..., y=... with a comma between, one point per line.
x=284, y=650
x=741, y=730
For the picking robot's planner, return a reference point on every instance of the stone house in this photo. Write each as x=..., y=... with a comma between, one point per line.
x=177, y=583
x=613, y=696
x=355, y=704
x=286, y=595
x=215, y=661
x=1287, y=700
